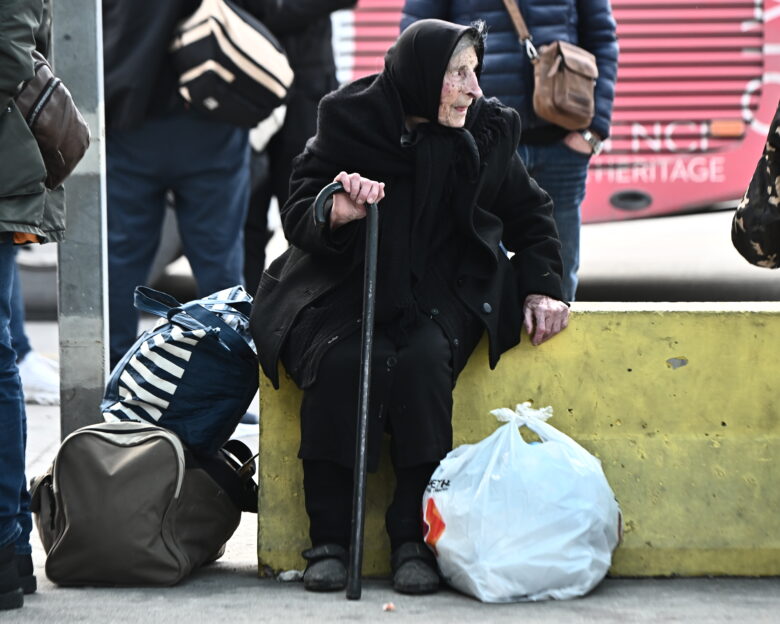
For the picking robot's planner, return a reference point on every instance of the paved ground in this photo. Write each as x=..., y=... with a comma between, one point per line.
x=230, y=591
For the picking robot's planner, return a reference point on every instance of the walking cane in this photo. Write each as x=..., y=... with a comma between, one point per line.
x=321, y=219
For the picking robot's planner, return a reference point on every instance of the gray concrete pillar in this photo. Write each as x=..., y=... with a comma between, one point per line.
x=82, y=274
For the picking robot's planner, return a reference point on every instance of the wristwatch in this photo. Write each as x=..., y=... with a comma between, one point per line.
x=595, y=143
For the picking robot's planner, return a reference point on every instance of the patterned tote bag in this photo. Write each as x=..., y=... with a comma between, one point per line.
x=194, y=373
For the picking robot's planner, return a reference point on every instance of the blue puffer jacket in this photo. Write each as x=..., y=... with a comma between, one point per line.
x=507, y=72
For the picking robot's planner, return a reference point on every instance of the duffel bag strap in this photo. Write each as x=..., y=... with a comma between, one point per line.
x=229, y=474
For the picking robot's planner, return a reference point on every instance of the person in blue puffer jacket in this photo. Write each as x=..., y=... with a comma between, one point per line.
x=556, y=158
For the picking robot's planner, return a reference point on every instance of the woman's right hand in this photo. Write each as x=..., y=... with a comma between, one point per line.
x=351, y=204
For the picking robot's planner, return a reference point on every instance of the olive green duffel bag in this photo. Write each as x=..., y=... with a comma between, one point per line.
x=127, y=504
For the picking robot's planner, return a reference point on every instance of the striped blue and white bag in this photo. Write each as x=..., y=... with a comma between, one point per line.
x=194, y=373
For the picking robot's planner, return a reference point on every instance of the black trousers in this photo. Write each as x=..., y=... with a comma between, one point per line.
x=411, y=400
x=328, y=494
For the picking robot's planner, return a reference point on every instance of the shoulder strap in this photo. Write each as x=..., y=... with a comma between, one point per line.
x=231, y=475
x=521, y=28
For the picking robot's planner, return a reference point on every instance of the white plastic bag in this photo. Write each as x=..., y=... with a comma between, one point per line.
x=511, y=521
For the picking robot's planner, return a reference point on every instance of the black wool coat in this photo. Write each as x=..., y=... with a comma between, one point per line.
x=502, y=205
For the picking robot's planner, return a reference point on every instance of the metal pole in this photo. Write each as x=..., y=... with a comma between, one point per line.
x=82, y=274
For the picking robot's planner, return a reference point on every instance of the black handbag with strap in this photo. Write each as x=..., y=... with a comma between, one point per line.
x=755, y=228
x=230, y=66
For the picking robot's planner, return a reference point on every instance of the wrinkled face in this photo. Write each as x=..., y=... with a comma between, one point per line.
x=459, y=89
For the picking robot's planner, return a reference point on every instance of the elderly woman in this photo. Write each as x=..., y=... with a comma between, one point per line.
x=419, y=138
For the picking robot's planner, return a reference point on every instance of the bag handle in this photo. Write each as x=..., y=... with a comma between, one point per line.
x=153, y=301
x=229, y=473
x=191, y=315
x=522, y=30
x=159, y=303
x=241, y=307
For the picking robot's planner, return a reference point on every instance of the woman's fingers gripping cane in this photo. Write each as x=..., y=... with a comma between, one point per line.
x=351, y=204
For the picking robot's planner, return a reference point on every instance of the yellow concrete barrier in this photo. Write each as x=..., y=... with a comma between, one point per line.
x=677, y=400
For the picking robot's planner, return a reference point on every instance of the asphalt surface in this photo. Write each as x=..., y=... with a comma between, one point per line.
x=230, y=590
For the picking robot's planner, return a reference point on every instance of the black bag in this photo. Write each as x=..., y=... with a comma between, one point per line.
x=755, y=228
x=230, y=65
x=57, y=125
x=128, y=504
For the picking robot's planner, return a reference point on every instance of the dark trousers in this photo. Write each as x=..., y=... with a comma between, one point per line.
x=206, y=166
x=328, y=493
x=19, y=339
x=15, y=518
x=411, y=400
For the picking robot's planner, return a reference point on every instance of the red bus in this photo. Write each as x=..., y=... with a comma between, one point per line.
x=698, y=83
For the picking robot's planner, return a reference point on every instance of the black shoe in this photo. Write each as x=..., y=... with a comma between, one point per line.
x=414, y=569
x=27, y=581
x=11, y=596
x=326, y=570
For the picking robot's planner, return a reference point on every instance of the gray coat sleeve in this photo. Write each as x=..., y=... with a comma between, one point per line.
x=20, y=20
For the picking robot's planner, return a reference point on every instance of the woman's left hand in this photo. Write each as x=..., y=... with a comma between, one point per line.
x=543, y=317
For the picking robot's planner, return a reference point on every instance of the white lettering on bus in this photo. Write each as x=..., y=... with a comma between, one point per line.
x=698, y=170
x=663, y=135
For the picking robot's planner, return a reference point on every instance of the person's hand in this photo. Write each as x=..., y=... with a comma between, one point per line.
x=543, y=317
x=351, y=204
x=575, y=141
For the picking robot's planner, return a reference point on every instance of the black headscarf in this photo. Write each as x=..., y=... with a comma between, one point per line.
x=361, y=127
x=416, y=63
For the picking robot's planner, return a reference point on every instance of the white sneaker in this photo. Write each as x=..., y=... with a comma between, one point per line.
x=40, y=379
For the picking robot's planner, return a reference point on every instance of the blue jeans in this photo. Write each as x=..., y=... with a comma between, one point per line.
x=19, y=339
x=561, y=172
x=15, y=519
x=205, y=164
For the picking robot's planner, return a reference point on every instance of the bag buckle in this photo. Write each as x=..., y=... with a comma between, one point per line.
x=530, y=50
x=248, y=468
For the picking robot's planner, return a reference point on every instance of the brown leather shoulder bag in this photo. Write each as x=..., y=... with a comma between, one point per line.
x=564, y=77
x=57, y=125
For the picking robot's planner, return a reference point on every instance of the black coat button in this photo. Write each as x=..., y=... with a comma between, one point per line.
x=391, y=361
x=487, y=308
x=434, y=311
